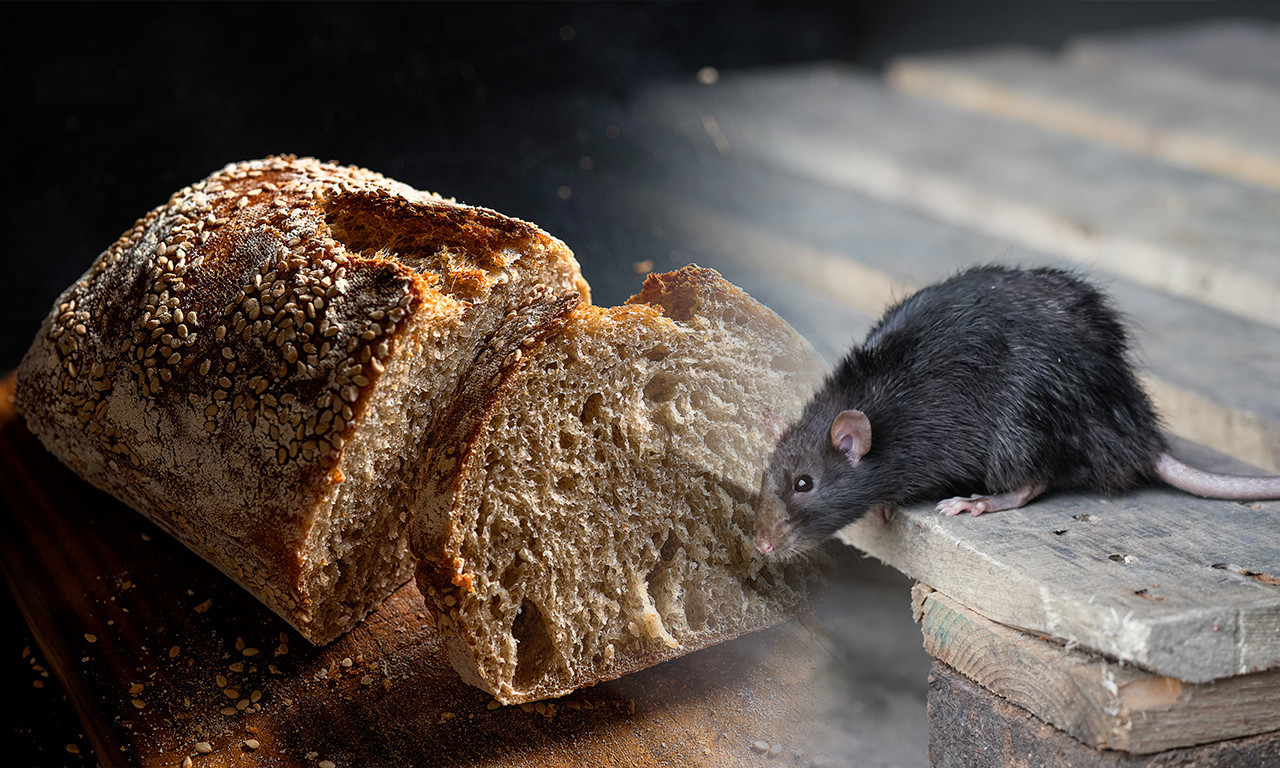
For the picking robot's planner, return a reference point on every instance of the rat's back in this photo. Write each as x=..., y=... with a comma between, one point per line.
x=1026, y=369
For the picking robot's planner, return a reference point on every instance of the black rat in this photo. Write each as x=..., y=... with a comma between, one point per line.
x=998, y=382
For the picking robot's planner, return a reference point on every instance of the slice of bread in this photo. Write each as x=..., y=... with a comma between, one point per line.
x=259, y=365
x=597, y=517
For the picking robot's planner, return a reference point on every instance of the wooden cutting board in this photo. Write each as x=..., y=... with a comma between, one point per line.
x=165, y=658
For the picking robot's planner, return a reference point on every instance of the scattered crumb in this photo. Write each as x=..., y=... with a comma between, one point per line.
x=346, y=662
x=174, y=651
x=494, y=704
x=775, y=750
x=642, y=267
x=206, y=605
x=760, y=746
x=139, y=703
x=135, y=689
x=145, y=537
x=73, y=749
x=203, y=747
x=37, y=683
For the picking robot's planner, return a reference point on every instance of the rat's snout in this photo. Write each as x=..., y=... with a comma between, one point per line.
x=764, y=542
x=770, y=524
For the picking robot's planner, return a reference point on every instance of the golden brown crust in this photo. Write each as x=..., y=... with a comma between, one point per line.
x=213, y=365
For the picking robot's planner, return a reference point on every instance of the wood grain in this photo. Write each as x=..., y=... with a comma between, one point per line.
x=970, y=726
x=158, y=651
x=1099, y=702
x=1181, y=586
x=1132, y=215
x=1180, y=117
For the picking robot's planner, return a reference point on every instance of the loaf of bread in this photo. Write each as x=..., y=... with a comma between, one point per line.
x=260, y=364
x=597, y=517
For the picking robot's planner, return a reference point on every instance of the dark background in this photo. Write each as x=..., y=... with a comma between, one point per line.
x=109, y=108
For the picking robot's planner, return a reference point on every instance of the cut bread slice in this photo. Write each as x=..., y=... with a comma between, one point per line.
x=597, y=517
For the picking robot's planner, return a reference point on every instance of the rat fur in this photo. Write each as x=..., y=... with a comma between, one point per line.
x=1001, y=383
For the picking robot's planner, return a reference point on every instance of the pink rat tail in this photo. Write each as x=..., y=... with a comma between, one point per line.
x=1215, y=486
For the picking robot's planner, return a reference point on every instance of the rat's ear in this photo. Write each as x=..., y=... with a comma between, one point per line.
x=851, y=434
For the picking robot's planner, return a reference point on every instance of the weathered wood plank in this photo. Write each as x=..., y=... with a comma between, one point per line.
x=1226, y=128
x=158, y=652
x=1193, y=235
x=1099, y=702
x=1181, y=586
x=1211, y=373
x=1223, y=51
x=969, y=726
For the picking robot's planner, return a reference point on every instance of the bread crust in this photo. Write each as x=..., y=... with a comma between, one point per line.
x=213, y=368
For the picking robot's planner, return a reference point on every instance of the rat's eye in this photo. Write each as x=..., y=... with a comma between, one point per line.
x=803, y=484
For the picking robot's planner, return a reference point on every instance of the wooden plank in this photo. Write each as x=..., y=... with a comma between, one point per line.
x=1181, y=586
x=1245, y=51
x=969, y=725
x=1097, y=701
x=843, y=257
x=158, y=652
x=1226, y=128
x=1196, y=236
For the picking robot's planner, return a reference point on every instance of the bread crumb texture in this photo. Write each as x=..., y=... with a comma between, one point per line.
x=258, y=364
x=600, y=517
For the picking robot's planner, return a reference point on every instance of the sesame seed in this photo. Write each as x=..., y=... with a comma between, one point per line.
x=139, y=703
x=221, y=681
x=250, y=651
x=326, y=764
x=203, y=747
x=231, y=693
x=91, y=638
x=186, y=762
x=174, y=651
x=228, y=710
x=135, y=689
x=251, y=744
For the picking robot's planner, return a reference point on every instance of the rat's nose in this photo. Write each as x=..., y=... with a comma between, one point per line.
x=764, y=543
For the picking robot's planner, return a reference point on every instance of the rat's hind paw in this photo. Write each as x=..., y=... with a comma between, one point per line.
x=974, y=505
x=977, y=503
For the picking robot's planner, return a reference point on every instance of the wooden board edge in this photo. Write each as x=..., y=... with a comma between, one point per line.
x=1098, y=701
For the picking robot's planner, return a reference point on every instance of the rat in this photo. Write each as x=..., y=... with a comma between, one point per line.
x=991, y=388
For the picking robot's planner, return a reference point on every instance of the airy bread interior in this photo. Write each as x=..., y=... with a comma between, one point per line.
x=601, y=518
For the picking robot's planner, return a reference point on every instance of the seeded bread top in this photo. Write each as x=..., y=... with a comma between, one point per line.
x=211, y=365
